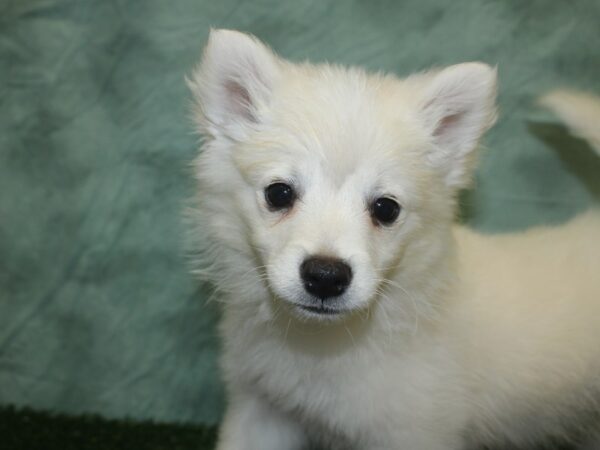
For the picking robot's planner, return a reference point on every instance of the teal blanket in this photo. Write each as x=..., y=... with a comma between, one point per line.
x=98, y=311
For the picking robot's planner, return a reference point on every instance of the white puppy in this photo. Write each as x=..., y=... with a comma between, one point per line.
x=355, y=314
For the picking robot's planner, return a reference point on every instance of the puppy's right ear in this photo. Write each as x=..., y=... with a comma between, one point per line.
x=457, y=107
x=233, y=84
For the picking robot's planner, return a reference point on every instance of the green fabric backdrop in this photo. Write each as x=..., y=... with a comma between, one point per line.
x=97, y=310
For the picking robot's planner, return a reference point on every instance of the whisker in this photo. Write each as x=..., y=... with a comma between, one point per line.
x=416, y=309
x=350, y=334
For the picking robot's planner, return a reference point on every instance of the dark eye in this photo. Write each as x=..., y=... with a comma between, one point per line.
x=385, y=210
x=280, y=195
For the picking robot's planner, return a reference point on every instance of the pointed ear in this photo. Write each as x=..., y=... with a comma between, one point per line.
x=233, y=83
x=458, y=106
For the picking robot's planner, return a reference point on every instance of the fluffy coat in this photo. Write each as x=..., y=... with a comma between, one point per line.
x=446, y=338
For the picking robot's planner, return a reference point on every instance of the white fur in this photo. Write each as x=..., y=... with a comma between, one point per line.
x=450, y=338
x=579, y=111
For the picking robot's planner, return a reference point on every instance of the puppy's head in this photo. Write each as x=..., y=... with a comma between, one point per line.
x=333, y=179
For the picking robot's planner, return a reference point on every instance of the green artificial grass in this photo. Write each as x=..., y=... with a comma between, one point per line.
x=25, y=429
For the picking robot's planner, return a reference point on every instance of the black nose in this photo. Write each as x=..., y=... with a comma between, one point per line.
x=325, y=277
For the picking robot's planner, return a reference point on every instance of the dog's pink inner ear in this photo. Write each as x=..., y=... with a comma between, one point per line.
x=446, y=123
x=239, y=100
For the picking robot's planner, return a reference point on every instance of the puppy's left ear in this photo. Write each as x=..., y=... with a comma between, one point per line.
x=458, y=106
x=233, y=84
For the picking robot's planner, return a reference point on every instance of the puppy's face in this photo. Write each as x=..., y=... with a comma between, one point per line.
x=336, y=176
x=337, y=185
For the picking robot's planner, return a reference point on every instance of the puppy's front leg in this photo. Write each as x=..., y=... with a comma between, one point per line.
x=252, y=424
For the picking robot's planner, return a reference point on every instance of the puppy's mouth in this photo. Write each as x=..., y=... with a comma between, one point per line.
x=321, y=310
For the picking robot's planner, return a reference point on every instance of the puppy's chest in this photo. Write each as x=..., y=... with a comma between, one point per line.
x=359, y=390
x=313, y=384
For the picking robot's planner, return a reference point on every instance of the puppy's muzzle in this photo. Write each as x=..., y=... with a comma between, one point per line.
x=325, y=277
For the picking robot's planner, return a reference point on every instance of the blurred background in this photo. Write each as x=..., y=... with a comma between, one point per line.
x=98, y=310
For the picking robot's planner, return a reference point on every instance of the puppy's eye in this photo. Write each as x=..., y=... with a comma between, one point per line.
x=280, y=195
x=385, y=210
